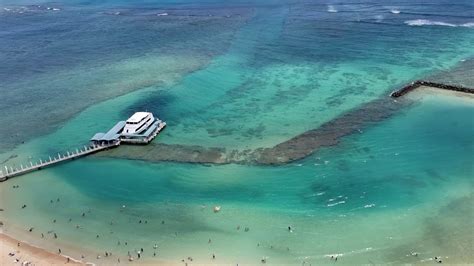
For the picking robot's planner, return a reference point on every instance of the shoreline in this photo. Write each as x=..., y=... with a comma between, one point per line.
x=424, y=91
x=25, y=252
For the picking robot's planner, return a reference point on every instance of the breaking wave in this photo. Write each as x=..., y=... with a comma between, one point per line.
x=426, y=22
x=332, y=9
x=336, y=203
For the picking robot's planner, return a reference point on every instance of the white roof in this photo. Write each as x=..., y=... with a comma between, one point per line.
x=136, y=117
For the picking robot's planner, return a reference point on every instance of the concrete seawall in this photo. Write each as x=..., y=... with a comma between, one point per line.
x=416, y=84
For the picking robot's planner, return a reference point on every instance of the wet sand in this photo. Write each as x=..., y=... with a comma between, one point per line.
x=28, y=253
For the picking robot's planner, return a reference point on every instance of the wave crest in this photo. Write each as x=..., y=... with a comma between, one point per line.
x=332, y=9
x=426, y=22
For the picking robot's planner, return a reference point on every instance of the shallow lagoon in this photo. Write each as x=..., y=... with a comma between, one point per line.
x=281, y=72
x=342, y=200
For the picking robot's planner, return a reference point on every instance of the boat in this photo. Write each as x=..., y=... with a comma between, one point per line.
x=140, y=128
x=138, y=122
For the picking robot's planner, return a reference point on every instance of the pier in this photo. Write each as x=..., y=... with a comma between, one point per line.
x=99, y=142
x=416, y=84
x=9, y=172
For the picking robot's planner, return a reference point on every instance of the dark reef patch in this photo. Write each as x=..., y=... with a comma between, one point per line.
x=156, y=103
x=297, y=148
x=328, y=134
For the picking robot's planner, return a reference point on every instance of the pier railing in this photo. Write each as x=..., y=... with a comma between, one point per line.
x=9, y=172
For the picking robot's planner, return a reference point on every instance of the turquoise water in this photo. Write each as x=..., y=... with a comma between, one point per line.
x=343, y=200
x=239, y=76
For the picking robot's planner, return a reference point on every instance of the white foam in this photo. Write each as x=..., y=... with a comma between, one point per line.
x=395, y=11
x=426, y=22
x=332, y=9
x=336, y=203
x=162, y=14
x=469, y=25
x=369, y=205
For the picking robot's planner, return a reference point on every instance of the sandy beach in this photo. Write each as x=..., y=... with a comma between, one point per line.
x=424, y=91
x=24, y=253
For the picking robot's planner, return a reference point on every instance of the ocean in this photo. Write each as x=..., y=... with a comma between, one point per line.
x=239, y=77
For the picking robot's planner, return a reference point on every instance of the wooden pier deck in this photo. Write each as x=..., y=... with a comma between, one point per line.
x=9, y=172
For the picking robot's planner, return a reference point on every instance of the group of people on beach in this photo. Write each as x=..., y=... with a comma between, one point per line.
x=139, y=252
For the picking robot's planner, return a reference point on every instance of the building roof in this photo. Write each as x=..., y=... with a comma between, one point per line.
x=112, y=134
x=136, y=117
x=97, y=136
